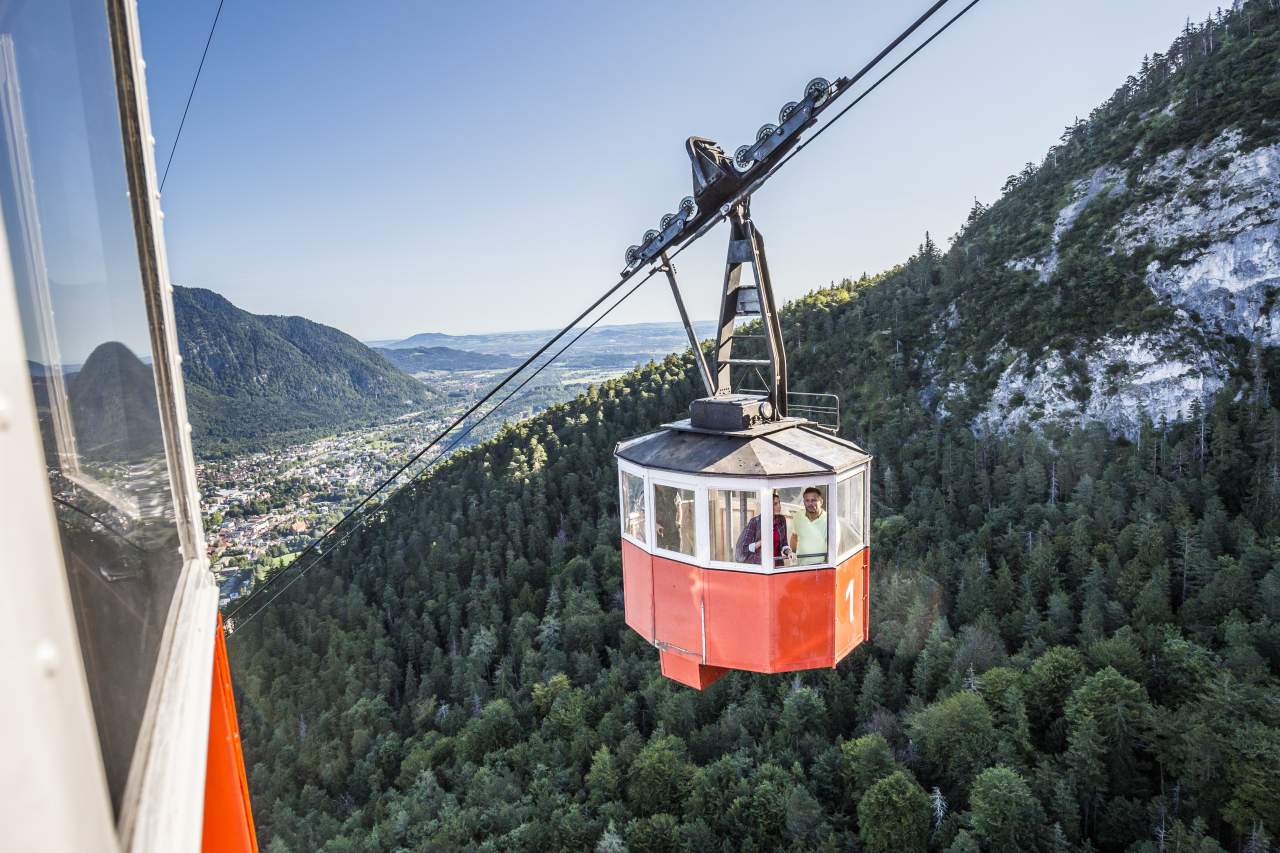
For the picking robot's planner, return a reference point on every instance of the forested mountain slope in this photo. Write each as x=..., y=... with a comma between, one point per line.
x=1076, y=635
x=252, y=378
x=1138, y=266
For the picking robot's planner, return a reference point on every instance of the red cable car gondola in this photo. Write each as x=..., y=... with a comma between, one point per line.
x=694, y=585
x=745, y=530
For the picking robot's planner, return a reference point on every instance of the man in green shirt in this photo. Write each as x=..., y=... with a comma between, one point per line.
x=809, y=530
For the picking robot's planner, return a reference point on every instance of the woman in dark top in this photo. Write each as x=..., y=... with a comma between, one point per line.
x=748, y=546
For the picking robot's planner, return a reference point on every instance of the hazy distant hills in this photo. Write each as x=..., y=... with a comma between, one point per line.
x=644, y=340
x=254, y=377
x=418, y=359
x=255, y=380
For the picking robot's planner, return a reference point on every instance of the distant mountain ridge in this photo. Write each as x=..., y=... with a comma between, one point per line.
x=416, y=359
x=652, y=339
x=254, y=378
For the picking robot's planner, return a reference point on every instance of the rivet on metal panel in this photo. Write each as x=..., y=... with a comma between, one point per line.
x=47, y=658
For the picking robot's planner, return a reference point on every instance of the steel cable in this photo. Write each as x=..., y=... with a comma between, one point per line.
x=191, y=94
x=232, y=618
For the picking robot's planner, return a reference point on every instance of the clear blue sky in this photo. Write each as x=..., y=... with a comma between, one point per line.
x=394, y=167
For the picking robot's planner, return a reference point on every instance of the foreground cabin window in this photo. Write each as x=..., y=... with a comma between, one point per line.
x=72, y=243
x=729, y=513
x=808, y=537
x=632, y=508
x=673, y=511
x=850, y=494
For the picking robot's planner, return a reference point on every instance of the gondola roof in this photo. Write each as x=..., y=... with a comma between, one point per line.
x=787, y=448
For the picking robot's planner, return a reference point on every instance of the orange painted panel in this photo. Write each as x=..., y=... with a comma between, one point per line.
x=803, y=624
x=738, y=611
x=228, y=818
x=637, y=589
x=866, y=595
x=851, y=603
x=677, y=607
x=762, y=623
x=689, y=672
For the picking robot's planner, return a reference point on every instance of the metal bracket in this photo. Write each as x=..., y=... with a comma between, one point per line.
x=738, y=300
x=703, y=370
x=746, y=246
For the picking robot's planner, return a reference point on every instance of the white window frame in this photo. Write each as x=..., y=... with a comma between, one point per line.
x=635, y=471
x=701, y=532
x=163, y=803
x=864, y=535
x=702, y=486
x=828, y=480
x=734, y=484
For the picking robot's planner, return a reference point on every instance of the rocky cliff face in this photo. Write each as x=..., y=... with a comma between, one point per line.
x=1136, y=269
x=1211, y=216
x=1218, y=208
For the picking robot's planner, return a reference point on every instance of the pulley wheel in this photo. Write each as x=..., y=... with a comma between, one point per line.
x=818, y=88
x=785, y=113
x=766, y=131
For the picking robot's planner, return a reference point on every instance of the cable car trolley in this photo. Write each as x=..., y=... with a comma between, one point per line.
x=745, y=526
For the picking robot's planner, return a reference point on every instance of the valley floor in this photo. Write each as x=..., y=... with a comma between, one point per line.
x=261, y=509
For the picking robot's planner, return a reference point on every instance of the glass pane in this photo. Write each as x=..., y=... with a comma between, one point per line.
x=633, y=520
x=850, y=493
x=735, y=527
x=805, y=508
x=673, y=511
x=71, y=238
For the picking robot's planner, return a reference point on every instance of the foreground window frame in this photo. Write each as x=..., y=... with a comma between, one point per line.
x=161, y=802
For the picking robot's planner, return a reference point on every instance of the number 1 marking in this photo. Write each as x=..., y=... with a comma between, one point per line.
x=848, y=593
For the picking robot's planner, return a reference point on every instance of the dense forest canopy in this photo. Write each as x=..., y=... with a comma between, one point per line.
x=1075, y=637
